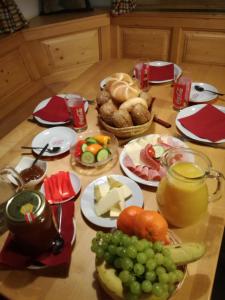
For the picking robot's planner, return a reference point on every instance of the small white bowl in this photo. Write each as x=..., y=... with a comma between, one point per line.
x=25, y=163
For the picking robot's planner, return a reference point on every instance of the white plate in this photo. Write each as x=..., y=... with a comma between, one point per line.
x=191, y=110
x=87, y=200
x=61, y=136
x=152, y=138
x=43, y=103
x=41, y=266
x=200, y=97
x=75, y=181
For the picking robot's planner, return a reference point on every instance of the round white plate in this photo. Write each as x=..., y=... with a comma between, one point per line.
x=87, y=200
x=43, y=103
x=40, y=266
x=75, y=181
x=151, y=138
x=200, y=97
x=191, y=110
x=61, y=136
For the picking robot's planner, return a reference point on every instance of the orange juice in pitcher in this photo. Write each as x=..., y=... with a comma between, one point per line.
x=182, y=195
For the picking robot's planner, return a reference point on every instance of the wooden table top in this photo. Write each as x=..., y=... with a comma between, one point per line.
x=79, y=282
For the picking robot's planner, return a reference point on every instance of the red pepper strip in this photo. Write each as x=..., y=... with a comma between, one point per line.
x=51, y=189
x=48, y=195
x=69, y=185
x=65, y=192
x=59, y=183
x=56, y=195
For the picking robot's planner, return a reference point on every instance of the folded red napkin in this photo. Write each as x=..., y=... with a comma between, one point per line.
x=58, y=187
x=55, y=111
x=207, y=123
x=9, y=255
x=161, y=73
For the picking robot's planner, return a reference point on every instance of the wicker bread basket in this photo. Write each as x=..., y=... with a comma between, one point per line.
x=127, y=132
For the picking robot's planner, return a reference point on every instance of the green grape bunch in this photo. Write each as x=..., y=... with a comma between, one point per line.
x=142, y=266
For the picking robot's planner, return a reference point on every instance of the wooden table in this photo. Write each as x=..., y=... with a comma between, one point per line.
x=80, y=282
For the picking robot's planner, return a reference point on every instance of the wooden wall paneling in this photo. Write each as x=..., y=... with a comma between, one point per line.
x=204, y=47
x=146, y=43
x=104, y=42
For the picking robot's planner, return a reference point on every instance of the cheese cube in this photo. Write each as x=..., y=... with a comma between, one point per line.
x=108, y=201
x=114, y=212
x=125, y=191
x=100, y=190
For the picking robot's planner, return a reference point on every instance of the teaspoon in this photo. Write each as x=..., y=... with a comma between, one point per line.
x=58, y=242
x=201, y=89
x=50, y=150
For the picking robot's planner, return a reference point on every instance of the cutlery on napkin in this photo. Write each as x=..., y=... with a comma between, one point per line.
x=55, y=111
x=208, y=123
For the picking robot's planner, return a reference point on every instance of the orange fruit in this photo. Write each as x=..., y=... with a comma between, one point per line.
x=94, y=148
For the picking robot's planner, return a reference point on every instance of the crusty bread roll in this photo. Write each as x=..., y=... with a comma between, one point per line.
x=121, y=91
x=129, y=104
x=117, y=77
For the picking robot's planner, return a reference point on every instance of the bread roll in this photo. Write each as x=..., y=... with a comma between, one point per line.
x=106, y=111
x=140, y=114
x=121, y=91
x=129, y=104
x=102, y=97
x=117, y=77
x=121, y=118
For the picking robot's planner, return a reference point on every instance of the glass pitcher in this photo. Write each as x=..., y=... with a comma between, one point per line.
x=10, y=184
x=183, y=194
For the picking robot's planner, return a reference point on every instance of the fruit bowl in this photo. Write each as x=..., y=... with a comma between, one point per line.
x=94, y=148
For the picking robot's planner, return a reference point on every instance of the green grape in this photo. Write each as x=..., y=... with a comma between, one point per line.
x=115, y=240
x=172, y=277
x=131, y=251
x=159, y=258
x=134, y=239
x=94, y=247
x=149, y=252
x=171, y=288
x=127, y=263
x=157, y=289
x=109, y=258
x=141, y=258
x=139, y=269
x=169, y=264
x=145, y=243
x=166, y=252
x=135, y=288
x=112, y=249
x=151, y=264
x=121, y=251
x=108, y=237
x=146, y=286
x=163, y=278
x=179, y=275
x=150, y=275
x=126, y=240
x=99, y=252
x=118, y=263
x=158, y=246
x=104, y=244
x=124, y=276
x=132, y=278
x=140, y=245
x=160, y=270
x=165, y=287
x=99, y=235
x=130, y=296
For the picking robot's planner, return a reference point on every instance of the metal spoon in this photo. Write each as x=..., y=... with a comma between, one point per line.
x=201, y=89
x=58, y=242
x=39, y=155
x=50, y=150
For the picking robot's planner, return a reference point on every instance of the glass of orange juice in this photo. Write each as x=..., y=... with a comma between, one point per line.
x=183, y=195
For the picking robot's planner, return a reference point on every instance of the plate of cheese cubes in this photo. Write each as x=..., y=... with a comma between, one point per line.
x=104, y=198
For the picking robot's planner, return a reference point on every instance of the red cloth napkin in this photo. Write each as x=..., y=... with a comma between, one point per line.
x=207, y=123
x=10, y=257
x=55, y=111
x=160, y=73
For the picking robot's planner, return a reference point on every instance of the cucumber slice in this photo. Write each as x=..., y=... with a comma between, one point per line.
x=91, y=140
x=159, y=150
x=84, y=147
x=87, y=157
x=102, y=154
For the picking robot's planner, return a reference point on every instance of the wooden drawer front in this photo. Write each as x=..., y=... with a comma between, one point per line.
x=13, y=73
x=73, y=49
x=152, y=44
x=204, y=47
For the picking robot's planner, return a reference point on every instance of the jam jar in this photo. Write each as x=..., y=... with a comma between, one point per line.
x=29, y=218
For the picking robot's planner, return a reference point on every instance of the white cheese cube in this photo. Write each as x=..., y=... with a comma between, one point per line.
x=108, y=201
x=133, y=151
x=100, y=190
x=114, y=212
x=125, y=191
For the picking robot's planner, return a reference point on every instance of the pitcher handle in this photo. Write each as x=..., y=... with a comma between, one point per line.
x=217, y=194
x=15, y=175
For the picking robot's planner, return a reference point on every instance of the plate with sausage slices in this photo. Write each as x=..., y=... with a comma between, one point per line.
x=140, y=158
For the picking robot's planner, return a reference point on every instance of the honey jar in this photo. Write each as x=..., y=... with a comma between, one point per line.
x=29, y=218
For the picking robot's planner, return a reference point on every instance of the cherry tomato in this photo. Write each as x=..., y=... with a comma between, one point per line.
x=149, y=151
x=78, y=148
